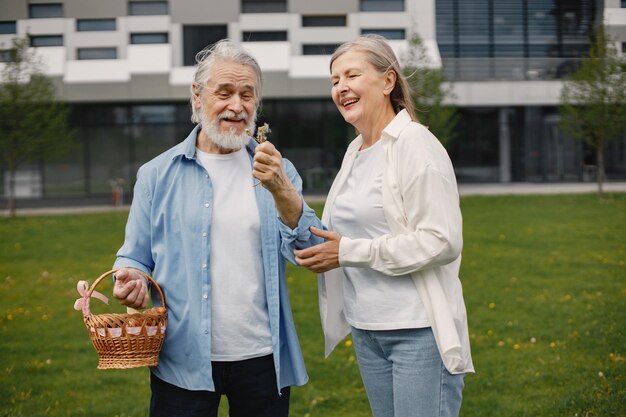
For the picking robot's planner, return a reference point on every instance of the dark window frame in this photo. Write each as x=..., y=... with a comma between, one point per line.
x=82, y=25
x=8, y=27
x=35, y=9
x=264, y=36
x=92, y=49
x=34, y=40
x=134, y=38
x=380, y=32
x=319, y=48
x=382, y=5
x=139, y=8
x=5, y=55
x=264, y=6
x=198, y=37
x=339, y=20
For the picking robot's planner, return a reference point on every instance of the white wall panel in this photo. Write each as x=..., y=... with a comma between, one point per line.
x=145, y=23
x=52, y=26
x=53, y=58
x=272, y=56
x=181, y=76
x=422, y=17
x=265, y=21
x=615, y=17
x=379, y=20
x=97, y=71
x=311, y=66
x=502, y=93
x=149, y=59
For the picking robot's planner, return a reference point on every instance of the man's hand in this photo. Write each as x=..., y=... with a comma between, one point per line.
x=322, y=257
x=268, y=168
x=131, y=288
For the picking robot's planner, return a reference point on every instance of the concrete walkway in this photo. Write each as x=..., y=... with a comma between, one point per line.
x=464, y=190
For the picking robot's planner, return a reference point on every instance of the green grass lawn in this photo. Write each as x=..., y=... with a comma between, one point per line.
x=545, y=286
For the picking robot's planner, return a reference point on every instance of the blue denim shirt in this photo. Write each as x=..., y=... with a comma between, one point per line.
x=168, y=236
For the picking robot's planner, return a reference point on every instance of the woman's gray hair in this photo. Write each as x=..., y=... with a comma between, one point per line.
x=380, y=55
x=222, y=50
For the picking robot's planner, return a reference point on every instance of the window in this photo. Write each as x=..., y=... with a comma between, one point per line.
x=385, y=33
x=311, y=21
x=382, y=5
x=97, y=53
x=319, y=49
x=43, y=10
x=146, y=8
x=624, y=3
x=263, y=6
x=46, y=40
x=143, y=38
x=89, y=25
x=7, y=27
x=153, y=114
x=5, y=55
x=196, y=38
x=264, y=36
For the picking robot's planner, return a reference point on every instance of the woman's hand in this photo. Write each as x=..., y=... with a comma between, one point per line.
x=322, y=257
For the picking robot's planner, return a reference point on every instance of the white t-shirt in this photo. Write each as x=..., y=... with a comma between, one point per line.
x=372, y=300
x=240, y=322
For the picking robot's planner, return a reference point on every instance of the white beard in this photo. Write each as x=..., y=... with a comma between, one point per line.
x=230, y=140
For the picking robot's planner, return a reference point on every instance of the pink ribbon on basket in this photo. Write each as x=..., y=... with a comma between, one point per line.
x=83, y=302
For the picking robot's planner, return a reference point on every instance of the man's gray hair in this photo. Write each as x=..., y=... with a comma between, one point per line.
x=223, y=50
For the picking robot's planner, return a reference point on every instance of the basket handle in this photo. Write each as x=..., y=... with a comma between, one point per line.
x=101, y=277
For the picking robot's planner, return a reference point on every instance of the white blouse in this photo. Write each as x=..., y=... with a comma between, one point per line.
x=372, y=299
x=421, y=205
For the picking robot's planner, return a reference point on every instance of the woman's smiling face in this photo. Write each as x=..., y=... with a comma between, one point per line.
x=357, y=88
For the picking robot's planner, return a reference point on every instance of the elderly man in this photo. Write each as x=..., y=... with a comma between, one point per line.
x=214, y=243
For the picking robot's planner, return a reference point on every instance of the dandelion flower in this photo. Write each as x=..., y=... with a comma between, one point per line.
x=492, y=305
x=348, y=343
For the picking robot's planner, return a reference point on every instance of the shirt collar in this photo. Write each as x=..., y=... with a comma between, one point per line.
x=391, y=131
x=397, y=125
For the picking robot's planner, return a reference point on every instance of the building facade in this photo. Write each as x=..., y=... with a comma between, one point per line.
x=125, y=67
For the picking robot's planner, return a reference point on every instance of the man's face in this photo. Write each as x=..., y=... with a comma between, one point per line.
x=228, y=101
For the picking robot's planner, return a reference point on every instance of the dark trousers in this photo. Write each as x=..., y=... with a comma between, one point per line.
x=249, y=385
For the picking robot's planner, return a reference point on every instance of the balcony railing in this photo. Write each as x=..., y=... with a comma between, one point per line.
x=481, y=69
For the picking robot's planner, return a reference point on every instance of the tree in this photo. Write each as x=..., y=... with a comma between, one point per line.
x=429, y=92
x=593, y=99
x=33, y=125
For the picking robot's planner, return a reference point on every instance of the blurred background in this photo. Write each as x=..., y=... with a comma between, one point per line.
x=124, y=67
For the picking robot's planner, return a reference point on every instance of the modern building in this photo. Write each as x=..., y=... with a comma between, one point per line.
x=125, y=67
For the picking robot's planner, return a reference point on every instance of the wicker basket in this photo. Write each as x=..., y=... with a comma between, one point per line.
x=127, y=340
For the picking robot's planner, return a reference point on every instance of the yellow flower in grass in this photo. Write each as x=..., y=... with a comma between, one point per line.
x=348, y=343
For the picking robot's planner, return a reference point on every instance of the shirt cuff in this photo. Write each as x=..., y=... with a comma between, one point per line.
x=354, y=252
x=302, y=232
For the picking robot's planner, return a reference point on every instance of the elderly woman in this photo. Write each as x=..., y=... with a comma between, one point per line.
x=388, y=269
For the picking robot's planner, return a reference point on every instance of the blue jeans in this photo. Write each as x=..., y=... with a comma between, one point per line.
x=403, y=374
x=249, y=385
